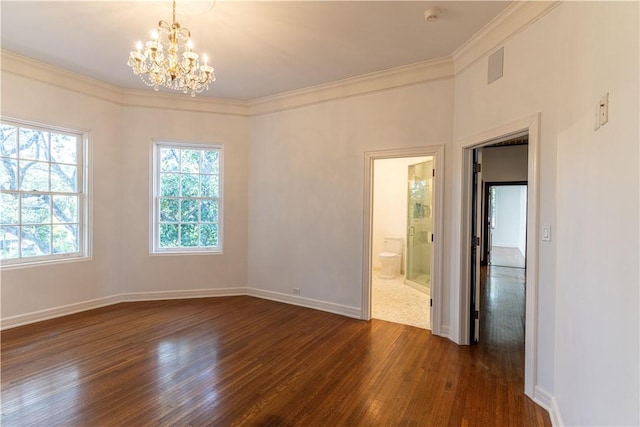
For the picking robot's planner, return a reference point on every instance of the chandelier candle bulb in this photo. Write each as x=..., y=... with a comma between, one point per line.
x=156, y=68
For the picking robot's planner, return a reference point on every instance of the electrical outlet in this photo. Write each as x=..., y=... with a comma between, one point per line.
x=296, y=291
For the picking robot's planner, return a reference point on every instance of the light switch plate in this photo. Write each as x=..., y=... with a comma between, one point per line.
x=546, y=233
x=604, y=109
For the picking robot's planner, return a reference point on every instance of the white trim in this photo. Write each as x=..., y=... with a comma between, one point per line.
x=65, y=310
x=51, y=313
x=437, y=151
x=187, y=294
x=405, y=75
x=154, y=244
x=344, y=310
x=40, y=71
x=543, y=398
x=554, y=414
x=531, y=125
x=516, y=17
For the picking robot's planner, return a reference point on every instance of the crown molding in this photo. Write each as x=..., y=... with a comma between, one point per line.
x=512, y=20
x=151, y=99
x=516, y=17
x=28, y=67
x=406, y=75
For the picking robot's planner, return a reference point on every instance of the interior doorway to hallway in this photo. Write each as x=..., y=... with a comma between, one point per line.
x=474, y=151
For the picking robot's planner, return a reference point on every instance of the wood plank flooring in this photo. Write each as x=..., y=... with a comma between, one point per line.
x=243, y=361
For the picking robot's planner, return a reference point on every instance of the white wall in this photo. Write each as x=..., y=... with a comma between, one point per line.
x=510, y=218
x=588, y=300
x=143, y=272
x=306, y=184
x=33, y=289
x=120, y=145
x=390, y=202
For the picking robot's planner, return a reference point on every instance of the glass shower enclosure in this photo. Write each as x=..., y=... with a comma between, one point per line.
x=420, y=226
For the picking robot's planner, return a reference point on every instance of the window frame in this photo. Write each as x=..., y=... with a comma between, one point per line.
x=82, y=192
x=154, y=243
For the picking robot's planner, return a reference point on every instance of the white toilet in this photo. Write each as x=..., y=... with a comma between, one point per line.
x=390, y=257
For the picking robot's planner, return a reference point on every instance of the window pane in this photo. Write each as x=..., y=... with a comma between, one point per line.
x=65, y=209
x=168, y=235
x=65, y=239
x=169, y=210
x=210, y=186
x=190, y=186
x=9, y=208
x=63, y=178
x=34, y=144
x=8, y=141
x=9, y=243
x=210, y=162
x=209, y=211
x=36, y=240
x=64, y=149
x=189, y=210
x=209, y=235
x=169, y=160
x=8, y=174
x=36, y=209
x=191, y=161
x=188, y=235
x=34, y=176
x=169, y=184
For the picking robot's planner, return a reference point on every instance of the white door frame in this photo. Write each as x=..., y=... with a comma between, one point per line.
x=528, y=125
x=437, y=152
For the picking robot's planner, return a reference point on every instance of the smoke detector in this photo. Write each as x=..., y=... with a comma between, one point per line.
x=432, y=14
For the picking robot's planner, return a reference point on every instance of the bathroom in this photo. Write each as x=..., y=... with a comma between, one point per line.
x=402, y=232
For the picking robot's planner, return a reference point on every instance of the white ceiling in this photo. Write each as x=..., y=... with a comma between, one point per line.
x=258, y=48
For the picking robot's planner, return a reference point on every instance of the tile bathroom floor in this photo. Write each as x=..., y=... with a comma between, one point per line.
x=393, y=301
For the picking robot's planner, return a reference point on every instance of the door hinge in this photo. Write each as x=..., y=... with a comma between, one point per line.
x=431, y=237
x=430, y=302
x=476, y=314
x=475, y=241
x=433, y=172
x=477, y=167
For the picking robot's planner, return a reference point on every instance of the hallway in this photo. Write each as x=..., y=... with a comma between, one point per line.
x=502, y=321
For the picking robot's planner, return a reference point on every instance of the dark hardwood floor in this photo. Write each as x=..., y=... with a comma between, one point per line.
x=252, y=362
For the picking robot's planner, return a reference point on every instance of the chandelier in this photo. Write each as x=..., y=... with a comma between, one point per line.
x=168, y=60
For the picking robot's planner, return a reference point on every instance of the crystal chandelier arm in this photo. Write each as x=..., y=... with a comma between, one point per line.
x=168, y=60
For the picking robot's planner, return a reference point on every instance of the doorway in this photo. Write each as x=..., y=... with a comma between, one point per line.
x=401, y=257
x=472, y=238
x=505, y=224
x=423, y=213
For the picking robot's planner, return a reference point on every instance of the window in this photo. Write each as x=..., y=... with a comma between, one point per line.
x=187, y=208
x=42, y=194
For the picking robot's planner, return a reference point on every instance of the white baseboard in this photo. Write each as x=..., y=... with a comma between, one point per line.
x=330, y=307
x=554, y=413
x=543, y=398
x=443, y=332
x=51, y=313
x=38, y=316
x=193, y=293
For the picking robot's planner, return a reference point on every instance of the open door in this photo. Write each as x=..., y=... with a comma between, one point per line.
x=476, y=204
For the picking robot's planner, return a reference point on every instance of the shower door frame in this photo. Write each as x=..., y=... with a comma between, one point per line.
x=437, y=152
x=419, y=286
